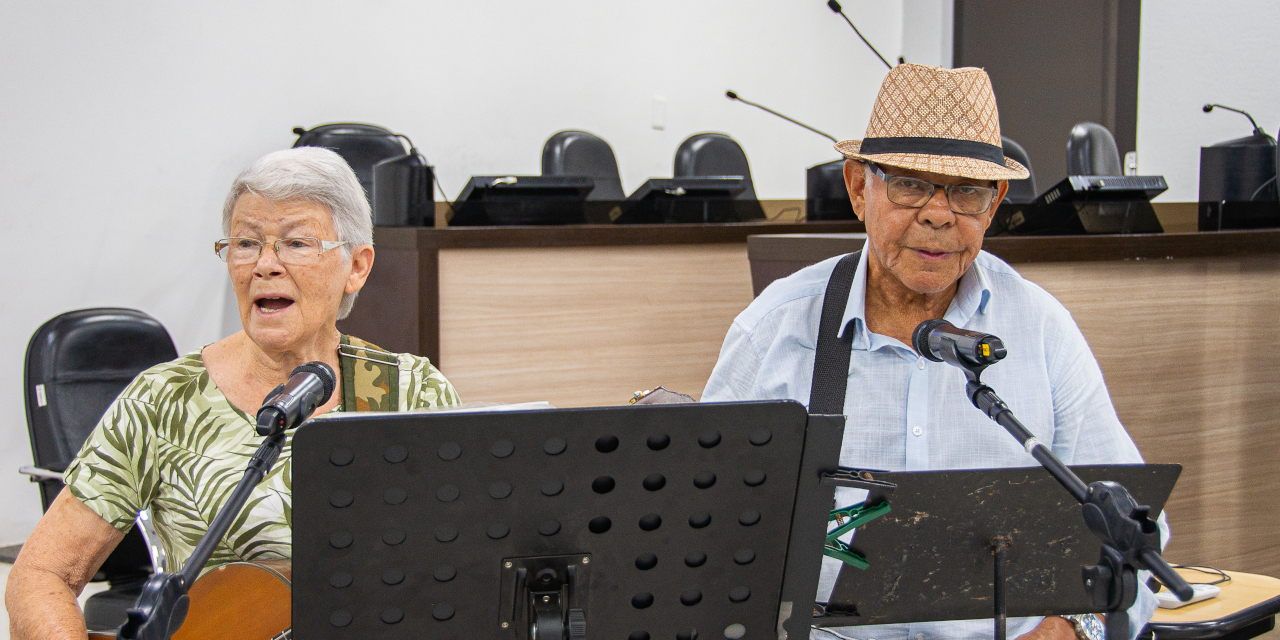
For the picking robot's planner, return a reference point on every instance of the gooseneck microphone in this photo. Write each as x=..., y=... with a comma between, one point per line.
x=941, y=341
x=288, y=405
x=835, y=6
x=1256, y=129
x=733, y=96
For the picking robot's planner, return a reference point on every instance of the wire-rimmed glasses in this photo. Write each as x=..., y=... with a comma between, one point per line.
x=238, y=250
x=906, y=191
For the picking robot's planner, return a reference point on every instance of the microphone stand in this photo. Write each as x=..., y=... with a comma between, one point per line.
x=1130, y=538
x=162, y=605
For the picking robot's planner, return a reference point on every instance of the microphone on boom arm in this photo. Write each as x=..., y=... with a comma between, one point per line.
x=288, y=405
x=734, y=96
x=1130, y=538
x=1257, y=131
x=835, y=6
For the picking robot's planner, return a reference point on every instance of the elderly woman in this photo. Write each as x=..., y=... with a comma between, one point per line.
x=299, y=248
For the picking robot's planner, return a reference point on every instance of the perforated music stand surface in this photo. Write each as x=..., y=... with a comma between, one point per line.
x=402, y=523
x=930, y=556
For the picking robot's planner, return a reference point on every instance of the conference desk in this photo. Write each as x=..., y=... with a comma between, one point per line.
x=576, y=315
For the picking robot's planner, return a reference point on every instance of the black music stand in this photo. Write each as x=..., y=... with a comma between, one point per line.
x=662, y=521
x=934, y=556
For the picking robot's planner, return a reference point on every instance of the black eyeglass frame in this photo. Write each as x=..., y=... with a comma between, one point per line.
x=994, y=191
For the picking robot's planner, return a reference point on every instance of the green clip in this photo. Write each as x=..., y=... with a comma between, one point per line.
x=857, y=515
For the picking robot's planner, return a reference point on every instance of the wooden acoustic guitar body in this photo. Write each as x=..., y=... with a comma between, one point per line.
x=237, y=601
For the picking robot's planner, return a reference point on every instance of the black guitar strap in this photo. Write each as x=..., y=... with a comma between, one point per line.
x=831, y=362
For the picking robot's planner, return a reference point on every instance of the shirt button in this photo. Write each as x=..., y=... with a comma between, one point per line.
x=917, y=431
x=920, y=363
x=919, y=636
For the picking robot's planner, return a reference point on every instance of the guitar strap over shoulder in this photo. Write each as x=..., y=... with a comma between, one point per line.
x=370, y=376
x=831, y=362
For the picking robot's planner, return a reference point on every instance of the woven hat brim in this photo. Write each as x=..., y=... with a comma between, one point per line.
x=956, y=166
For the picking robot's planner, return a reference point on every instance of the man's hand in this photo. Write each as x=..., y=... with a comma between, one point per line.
x=1052, y=628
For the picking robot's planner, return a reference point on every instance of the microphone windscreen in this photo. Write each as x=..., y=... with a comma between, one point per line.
x=1208, y=108
x=835, y=6
x=322, y=371
x=920, y=338
x=731, y=95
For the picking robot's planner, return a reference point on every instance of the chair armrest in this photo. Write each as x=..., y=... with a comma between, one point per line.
x=40, y=474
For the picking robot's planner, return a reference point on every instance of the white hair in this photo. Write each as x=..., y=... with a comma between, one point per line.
x=316, y=175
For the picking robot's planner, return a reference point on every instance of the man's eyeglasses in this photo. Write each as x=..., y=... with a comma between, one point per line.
x=288, y=250
x=967, y=199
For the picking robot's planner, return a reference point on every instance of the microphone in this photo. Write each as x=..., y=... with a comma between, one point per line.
x=941, y=341
x=1256, y=129
x=309, y=386
x=733, y=96
x=835, y=6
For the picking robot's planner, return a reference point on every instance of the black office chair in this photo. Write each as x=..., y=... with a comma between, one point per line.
x=76, y=365
x=361, y=145
x=826, y=196
x=1020, y=191
x=1091, y=151
x=578, y=153
x=716, y=154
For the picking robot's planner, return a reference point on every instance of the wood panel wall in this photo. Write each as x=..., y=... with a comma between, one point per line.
x=584, y=326
x=1190, y=353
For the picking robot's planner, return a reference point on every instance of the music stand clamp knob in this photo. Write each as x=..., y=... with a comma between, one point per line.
x=577, y=624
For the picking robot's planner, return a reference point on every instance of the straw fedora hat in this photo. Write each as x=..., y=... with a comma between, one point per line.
x=937, y=120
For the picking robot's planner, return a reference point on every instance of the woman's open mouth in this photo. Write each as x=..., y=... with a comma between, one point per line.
x=272, y=305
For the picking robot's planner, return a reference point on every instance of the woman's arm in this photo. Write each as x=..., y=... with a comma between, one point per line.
x=66, y=549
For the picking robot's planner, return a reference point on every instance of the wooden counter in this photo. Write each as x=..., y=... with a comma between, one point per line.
x=1186, y=328
x=579, y=316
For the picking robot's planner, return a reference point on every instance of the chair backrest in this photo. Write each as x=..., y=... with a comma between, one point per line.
x=361, y=145
x=578, y=153
x=77, y=363
x=1020, y=191
x=714, y=154
x=1091, y=151
x=826, y=196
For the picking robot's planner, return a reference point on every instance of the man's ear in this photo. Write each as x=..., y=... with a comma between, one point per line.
x=855, y=180
x=1002, y=189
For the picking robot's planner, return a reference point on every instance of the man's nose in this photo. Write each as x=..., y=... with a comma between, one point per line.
x=937, y=211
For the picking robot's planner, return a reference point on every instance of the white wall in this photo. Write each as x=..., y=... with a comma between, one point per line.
x=1196, y=52
x=123, y=123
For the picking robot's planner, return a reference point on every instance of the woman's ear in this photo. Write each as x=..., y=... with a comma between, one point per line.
x=855, y=180
x=361, y=265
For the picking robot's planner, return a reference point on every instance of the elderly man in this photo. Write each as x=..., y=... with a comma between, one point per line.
x=926, y=180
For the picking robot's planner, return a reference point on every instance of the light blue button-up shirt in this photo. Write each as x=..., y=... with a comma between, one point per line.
x=906, y=413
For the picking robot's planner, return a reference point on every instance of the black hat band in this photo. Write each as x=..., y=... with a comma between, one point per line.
x=934, y=147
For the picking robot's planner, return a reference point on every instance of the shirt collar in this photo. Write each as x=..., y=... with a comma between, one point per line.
x=973, y=295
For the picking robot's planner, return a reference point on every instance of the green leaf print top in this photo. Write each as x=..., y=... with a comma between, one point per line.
x=172, y=442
